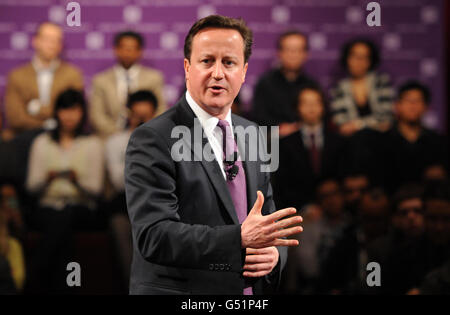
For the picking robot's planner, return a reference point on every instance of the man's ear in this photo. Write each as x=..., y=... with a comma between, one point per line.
x=245, y=72
x=187, y=65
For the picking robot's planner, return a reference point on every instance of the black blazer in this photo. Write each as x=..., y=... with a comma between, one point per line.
x=295, y=181
x=186, y=235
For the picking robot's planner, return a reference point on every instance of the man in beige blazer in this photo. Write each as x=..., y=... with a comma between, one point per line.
x=110, y=88
x=32, y=88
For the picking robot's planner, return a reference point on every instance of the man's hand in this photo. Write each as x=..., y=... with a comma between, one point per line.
x=260, y=262
x=287, y=128
x=258, y=231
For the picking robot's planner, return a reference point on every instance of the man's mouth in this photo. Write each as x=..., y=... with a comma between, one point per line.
x=217, y=88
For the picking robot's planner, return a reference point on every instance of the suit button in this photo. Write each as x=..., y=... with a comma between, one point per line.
x=211, y=267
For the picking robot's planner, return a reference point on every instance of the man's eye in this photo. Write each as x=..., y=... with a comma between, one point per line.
x=229, y=63
x=205, y=61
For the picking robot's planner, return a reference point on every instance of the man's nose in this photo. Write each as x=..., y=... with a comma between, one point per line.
x=218, y=71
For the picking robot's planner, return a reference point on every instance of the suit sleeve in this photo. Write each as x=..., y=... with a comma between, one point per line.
x=15, y=107
x=153, y=206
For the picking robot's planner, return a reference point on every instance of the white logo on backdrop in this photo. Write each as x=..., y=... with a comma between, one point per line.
x=132, y=14
x=354, y=15
x=205, y=10
x=428, y=67
x=94, y=40
x=280, y=14
x=57, y=14
x=19, y=41
x=318, y=41
x=392, y=41
x=168, y=40
x=429, y=15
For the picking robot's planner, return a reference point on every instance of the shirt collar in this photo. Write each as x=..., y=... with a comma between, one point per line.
x=38, y=66
x=207, y=121
x=316, y=130
x=132, y=71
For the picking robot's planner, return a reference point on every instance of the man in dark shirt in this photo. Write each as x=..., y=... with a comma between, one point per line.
x=274, y=98
x=410, y=149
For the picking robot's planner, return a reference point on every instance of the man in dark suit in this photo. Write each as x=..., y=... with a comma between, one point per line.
x=192, y=229
x=308, y=155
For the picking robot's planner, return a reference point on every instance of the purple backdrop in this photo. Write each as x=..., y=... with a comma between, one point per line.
x=411, y=36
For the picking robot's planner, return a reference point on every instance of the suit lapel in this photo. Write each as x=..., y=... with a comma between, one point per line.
x=114, y=103
x=33, y=82
x=212, y=168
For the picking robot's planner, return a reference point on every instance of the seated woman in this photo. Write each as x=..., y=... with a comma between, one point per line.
x=65, y=173
x=364, y=98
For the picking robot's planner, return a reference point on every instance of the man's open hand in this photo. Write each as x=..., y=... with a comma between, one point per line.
x=259, y=231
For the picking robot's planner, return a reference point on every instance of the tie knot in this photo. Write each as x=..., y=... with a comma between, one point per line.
x=223, y=124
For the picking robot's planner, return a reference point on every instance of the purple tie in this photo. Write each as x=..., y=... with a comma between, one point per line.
x=237, y=185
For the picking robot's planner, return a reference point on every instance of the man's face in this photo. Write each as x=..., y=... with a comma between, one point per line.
x=374, y=214
x=310, y=107
x=128, y=51
x=354, y=186
x=359, y=60
x=216, y=69
x=437, y=219
x=141, y=112
x=293, y=52
x=48, y=43
x=411, y=106
x=409, y=217
x=70, y=118
x=330, y=198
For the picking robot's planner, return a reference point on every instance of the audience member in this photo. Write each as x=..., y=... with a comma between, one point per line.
x=10, y=250
x=110, y=88
x=311, y=153
x=409, y=148
x=32, y=88
x=318, y=239
x=344, y=272
x=142, y=106
x=66, y=171
x=401, y=253
x=364, y=98
x=275, y=95
x=354, y=184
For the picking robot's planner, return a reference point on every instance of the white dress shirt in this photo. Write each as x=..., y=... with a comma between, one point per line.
x=212, y=131
x=307, y=131
x=44, y=78
x=126, y=81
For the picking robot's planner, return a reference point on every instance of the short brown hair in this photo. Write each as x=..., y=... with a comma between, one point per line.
x=291, y=33
x=220, y=21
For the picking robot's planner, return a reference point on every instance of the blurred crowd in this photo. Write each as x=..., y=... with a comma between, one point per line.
x=356, y=161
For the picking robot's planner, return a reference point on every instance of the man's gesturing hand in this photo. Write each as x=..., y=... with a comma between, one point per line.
x=258, y=231
x=260, y=262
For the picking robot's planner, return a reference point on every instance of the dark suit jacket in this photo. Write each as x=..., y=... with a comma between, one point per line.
x=186, y=235
x=295, y=180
